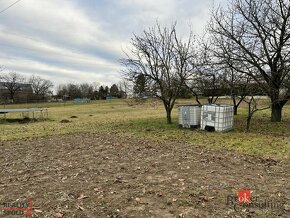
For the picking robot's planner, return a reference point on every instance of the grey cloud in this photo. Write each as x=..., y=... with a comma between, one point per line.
x=82, y=40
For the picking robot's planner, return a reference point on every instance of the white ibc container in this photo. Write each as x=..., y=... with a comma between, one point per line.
x=189, y=116
x=216, y=117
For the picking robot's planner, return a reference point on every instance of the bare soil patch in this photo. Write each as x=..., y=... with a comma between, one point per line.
x=92, y=175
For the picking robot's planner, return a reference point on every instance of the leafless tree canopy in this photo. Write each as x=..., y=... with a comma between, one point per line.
x=125, y=86
x=252, y=36
x=164, y=60
x=13, y=82
x=40, y=86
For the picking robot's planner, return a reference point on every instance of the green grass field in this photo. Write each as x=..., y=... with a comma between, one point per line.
x=148, y=121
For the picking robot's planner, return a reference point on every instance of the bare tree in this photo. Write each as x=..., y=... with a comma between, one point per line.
x=125, y=87
x=40, y=86
x=209, y=76
x=62, y=91
x=164, y=60
x=231, y=82
x=258, y=34
x=87, y=90
x=211, y=86
x=74, y=90
x=253, y=107
x=13, y=82
x=238, y=85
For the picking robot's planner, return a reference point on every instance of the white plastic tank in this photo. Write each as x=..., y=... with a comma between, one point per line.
x=216, y=117
x=189, y=116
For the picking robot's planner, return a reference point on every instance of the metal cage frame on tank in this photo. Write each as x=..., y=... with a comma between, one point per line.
x=217, y=117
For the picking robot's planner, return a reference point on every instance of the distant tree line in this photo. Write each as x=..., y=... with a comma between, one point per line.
x=15, y=87
x=90, y=91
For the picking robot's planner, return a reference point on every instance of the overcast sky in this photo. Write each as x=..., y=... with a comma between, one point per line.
x=82, y=40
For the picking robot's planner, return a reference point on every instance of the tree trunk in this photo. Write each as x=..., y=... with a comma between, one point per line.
x=249, y=118
x=11, y=95
x=235, y=110
x=209, y=100
x=196, y=97
x=236, y=103
x=276, y=115
x=168, y=116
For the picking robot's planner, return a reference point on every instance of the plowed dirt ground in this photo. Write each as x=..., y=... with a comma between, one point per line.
x=93, y=175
